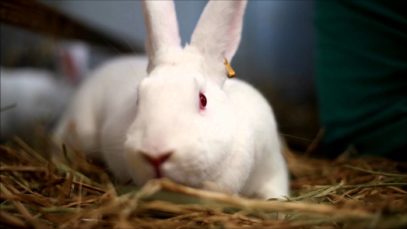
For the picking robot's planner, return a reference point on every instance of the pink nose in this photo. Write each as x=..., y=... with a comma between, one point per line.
x=156, y=162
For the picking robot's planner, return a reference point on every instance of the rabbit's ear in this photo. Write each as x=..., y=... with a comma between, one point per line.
x=162, y=28
x=219, y=29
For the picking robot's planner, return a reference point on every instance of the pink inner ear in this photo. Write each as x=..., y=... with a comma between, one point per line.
x=69, y=68
x=235, y=33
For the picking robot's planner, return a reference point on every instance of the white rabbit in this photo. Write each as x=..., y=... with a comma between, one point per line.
x=185, y=121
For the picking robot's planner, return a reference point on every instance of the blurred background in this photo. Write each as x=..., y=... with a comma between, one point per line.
x=40, y=71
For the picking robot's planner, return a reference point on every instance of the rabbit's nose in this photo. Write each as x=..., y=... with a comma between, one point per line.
x=157, y=161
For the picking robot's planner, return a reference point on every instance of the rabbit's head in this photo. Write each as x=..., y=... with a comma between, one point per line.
x=184, y=124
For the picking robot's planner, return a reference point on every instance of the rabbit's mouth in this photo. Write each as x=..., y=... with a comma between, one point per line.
x=158, y=172
x=157, y=162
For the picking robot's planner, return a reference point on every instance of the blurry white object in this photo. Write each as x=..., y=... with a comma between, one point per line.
x=31, y=97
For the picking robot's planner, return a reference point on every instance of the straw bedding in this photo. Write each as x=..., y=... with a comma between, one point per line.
x=37, y=192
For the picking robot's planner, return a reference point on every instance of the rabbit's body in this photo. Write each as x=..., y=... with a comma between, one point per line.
x=185, y=120
x=104, y=96
x=254, y=159
x=257, y=129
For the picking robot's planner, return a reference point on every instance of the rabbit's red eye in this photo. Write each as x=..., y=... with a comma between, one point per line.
x=202, y=100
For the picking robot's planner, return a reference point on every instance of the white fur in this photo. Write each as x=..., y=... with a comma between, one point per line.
x=231, y=146
x=106, y=96
x=162, y=29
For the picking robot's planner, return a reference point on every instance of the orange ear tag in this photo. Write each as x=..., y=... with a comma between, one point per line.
x=230, y=72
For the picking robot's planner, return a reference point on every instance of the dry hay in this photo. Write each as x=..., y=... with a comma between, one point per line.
x=346, y=193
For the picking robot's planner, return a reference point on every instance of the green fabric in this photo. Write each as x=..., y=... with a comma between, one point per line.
x=361, y=75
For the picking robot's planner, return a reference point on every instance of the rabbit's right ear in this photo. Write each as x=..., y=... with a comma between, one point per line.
x=219, y=29
x=162, y=29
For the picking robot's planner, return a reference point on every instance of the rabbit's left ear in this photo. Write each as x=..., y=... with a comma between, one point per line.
x=219, y=29
x=162, y=29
